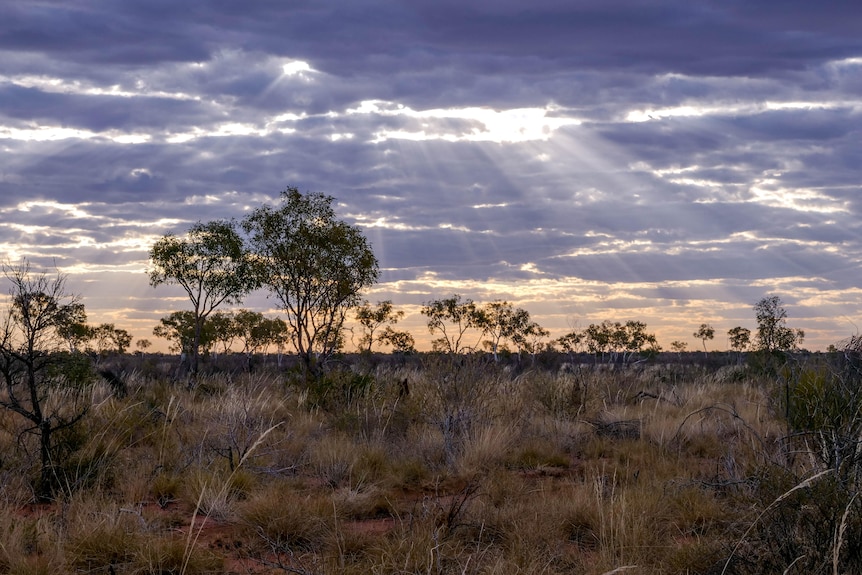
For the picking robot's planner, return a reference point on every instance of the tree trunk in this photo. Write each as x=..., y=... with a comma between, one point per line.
x=196, y=346
x=45, y=488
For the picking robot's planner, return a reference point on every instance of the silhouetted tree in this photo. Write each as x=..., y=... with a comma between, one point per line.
x=452, y=318
x=619, y=339
x=44, y=384
x=256, y=332
x=740, y=340
x=571, y=343
x=502, y=321
x=212, y=266
x=703, y=333
x=110, y=339
x=401, y=341
x=222, y=325
x=773, y=335
x=373, y=318
x=179, y=329
x=74, y=329
x=679, y=347
x=315, y=265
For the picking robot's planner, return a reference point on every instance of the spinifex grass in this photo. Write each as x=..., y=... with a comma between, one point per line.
x=465, y=469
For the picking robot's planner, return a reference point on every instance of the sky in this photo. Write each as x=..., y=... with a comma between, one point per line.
x=670, y=161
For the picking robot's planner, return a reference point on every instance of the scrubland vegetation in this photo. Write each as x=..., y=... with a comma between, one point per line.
x=440, y=464
x=595, y=453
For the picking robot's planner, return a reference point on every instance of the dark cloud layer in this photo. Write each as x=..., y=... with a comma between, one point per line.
x=669, y=161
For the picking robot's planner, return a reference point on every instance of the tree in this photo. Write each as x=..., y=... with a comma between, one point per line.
x=211, y=264
x=704, y=332
x=632, y=338
x=373, y=318
x=179, y=329
x=452, y=318
x=73, y=328
x=620, y=339
x=110, y=339
x=571, y=343
x=315, y=265
x=257, y=332
x=597, y=338
x=740, y=338
x=502, y=321
x=679, y=347
x=529, y=338
x=43, y=383
x=401, y=341
x=773, y=335
x=222, y=326
x=143, y=345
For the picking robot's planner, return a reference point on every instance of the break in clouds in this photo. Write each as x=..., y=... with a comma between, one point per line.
x=671, y=163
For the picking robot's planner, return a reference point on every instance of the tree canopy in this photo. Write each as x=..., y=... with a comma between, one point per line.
x=452, y=318
x=211, y=264
x=703, y=333
x=315, y=265
x=773, y=335
x=372, y=318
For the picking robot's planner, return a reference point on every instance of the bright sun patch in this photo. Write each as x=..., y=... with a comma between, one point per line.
x=485, y=124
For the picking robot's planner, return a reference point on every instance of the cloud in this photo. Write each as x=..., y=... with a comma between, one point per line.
x=668, y=160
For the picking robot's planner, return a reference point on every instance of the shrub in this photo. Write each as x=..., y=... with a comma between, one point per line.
x=334, y=390
x=808, y=495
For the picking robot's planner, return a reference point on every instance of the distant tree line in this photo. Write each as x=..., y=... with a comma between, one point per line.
x=316, y=268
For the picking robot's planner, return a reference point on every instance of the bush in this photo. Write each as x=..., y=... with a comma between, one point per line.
x=811, y=516
x=334, y=390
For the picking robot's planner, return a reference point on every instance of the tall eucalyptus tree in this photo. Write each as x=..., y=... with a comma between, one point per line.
x=315, y=265
x=211, y=264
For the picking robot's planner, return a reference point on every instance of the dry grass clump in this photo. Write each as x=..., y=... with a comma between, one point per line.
x=629, y=521
x=365, y=502
x=486, y=447
x=457, y=395
x=100, y=537
x=104, y=544
x=538, y=452
x=28, y=543
x=331, y=459
x=286, y=519
x=216, y=491
x=408, y=472
x=563, y=395
x=170, y=554
x=410, y=548
x=372, y=461
x=238, y=416
x=166, y=488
